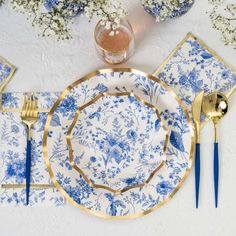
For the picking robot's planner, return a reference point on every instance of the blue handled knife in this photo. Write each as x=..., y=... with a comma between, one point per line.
x=196, y=113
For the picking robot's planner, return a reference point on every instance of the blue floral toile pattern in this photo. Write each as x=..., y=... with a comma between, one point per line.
x=118, y=141
x=138, y=200
x=193, y=68
x=13, y=152
x=6, y=71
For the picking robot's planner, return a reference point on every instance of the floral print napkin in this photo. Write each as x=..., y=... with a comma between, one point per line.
x=6, y=72
x=13, y=153
x=193, y=67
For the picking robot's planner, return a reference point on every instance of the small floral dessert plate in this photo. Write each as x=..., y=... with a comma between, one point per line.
x=89, y=143
x=117, y=142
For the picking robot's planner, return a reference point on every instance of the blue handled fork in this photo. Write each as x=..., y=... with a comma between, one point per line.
x=29, y=116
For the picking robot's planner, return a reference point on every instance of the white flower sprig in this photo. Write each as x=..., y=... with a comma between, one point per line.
x=223, y=18
x=109, y=11
x=166, y=7
x=57, y=20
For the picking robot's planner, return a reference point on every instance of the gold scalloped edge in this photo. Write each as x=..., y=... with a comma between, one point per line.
x=70, y=146
x=63, y=95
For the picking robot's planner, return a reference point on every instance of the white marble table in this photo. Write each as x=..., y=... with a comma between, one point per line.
x=48, y=65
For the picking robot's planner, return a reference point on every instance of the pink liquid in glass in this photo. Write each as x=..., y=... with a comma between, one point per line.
x=115, y=47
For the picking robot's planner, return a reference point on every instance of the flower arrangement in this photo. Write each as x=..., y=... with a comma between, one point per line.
x=223, y=18
x=54, y=17
x=165, y=9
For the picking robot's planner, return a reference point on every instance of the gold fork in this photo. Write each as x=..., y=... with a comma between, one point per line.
x=29, y=116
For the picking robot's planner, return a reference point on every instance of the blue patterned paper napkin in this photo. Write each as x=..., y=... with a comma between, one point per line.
x=13, y=153
x=192, y=67
x=6, y=72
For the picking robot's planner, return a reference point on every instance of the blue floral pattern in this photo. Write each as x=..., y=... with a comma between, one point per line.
x=193, y=68
x=158, y=7
x=118, y=141
x=13, y=152
x=139, y=200
x=6, y=71
x=51, y=5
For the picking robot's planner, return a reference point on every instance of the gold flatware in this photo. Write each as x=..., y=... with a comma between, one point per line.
x=215, y=106
x=228, y=95
x=29, y=116
x=196, y=113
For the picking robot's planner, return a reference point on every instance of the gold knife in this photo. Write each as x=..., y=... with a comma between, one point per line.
x=196, y=113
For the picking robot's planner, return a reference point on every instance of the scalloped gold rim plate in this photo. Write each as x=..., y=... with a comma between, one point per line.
x=80, y=171
x=62, y=96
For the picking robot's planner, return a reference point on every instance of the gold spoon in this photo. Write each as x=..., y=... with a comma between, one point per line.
x=215, y=106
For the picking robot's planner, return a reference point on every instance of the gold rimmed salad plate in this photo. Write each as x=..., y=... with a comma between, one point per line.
x=102, y=202
x=117, y=142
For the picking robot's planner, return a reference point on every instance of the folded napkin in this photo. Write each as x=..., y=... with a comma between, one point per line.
x=13, y=140
x=193, y=66
x=6, y=72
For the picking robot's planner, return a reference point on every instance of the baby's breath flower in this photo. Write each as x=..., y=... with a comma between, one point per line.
x=223, y=18
x=55, y=16
x=163, y=9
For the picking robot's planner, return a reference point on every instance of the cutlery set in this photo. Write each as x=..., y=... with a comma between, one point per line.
x=214, y=106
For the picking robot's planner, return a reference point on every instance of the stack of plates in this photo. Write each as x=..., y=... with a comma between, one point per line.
x=118, y=143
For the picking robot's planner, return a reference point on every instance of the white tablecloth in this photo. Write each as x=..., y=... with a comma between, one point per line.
x=48, y=65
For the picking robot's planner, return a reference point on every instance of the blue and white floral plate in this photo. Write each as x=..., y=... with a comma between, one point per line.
x=138, y=201
x=117, y=141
